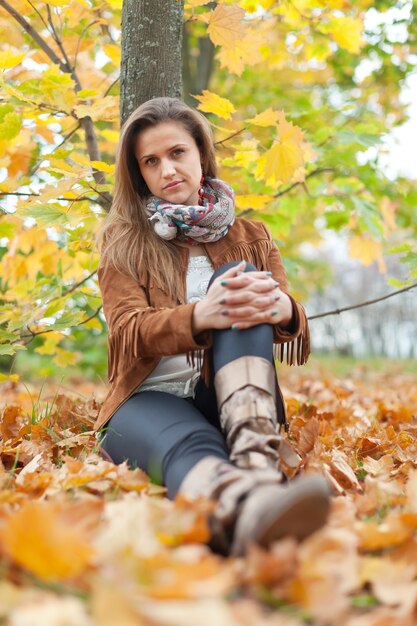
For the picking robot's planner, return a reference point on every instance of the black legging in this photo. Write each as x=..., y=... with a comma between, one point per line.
x=166, y=435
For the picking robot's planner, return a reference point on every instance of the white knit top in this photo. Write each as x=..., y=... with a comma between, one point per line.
x=173, y=374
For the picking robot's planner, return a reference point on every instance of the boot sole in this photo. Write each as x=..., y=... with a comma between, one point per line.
x=275, y=511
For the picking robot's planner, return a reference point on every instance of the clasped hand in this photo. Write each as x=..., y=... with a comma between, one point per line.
x=240, y=300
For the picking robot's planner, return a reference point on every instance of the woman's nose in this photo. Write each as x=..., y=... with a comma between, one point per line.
x=168, y=168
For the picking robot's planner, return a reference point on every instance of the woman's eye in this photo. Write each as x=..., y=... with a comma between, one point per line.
x=178, y=151
x=150, y=161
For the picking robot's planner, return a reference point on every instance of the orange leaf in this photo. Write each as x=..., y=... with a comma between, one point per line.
x=39, y=539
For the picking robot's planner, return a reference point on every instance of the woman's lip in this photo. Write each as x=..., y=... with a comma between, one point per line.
x=172, y=185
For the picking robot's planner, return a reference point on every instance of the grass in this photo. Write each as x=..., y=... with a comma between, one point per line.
x=333, y=364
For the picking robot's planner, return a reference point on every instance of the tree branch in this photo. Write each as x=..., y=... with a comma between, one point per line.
x=38, y=195
x=362, y=304
x=34, y=34
x=57, y=39
x=315, y=172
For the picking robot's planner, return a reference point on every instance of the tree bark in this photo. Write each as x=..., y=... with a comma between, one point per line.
x=151, y=52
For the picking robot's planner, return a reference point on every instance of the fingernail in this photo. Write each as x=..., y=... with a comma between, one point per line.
x=223, y=283
x=274, y=312
x=235, y=327
x=268, y=273
x=276, y=284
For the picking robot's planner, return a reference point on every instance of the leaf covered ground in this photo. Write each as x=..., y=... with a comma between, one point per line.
x=86, y=543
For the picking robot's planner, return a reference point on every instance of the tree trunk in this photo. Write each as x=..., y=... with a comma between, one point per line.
x=151, y=52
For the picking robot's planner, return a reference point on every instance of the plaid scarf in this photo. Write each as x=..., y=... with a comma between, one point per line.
x=203, y=223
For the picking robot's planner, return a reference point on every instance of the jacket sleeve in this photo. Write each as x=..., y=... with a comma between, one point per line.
x=293, y=341
x=139, y=330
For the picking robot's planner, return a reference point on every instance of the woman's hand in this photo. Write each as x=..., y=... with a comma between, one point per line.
x=241, y=300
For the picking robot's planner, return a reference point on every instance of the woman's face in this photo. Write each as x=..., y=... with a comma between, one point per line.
x=170, y=162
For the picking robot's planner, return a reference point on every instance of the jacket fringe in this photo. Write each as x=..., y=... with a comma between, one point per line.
x=125, y=339
x=124, y=342
x=294, y=352
x=256, y=254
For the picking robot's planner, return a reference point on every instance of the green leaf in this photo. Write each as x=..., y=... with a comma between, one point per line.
x=364, y=601
x=405, y=247
x=46, y=214
x=7, y=229
x=10, y=125
x=68, y=319
x=336, y=219
x=10, y=349
x=411, y=259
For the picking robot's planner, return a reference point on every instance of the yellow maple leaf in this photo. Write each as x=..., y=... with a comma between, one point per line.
x=287, y=131
x=113, y=52
x=366, y=251
x=347, y=33
x=247, y=153
x=225, y=26
x=102, y=109
x=254, y=201
x=388, y=210
x=10, y=58
x=191, y=4
x=266, y=118
x=252, y=6
x=247, y=51
x=280, y=162
x=51, y=340
x=38, y=538
x=212, y=103
x=66, y=357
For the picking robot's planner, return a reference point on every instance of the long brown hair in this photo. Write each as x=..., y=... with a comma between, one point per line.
x=131, y=244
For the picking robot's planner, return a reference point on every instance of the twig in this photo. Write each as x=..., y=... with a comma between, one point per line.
x=106, y=93
x=319, y=170
x=66, y=137
x=362, y=304
x=58, y=41
x=32, y=334
x=39, y=14
x=79, y=41
x=238, y=132
x=74, y=287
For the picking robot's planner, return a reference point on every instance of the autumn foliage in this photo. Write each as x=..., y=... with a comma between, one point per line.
x=301, y=96
x=99, y=543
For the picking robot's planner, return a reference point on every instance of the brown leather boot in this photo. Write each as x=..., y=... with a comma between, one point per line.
x=219, y=480
x=245, y=390
x=271, y=512
x=252, y=507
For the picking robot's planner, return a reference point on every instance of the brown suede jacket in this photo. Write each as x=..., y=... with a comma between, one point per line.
x=145, y=323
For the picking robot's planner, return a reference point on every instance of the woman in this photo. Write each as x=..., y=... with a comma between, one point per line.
x=195, y=299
